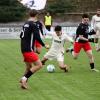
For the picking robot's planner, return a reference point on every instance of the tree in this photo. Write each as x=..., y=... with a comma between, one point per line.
x=60, y=6
x=11, y=10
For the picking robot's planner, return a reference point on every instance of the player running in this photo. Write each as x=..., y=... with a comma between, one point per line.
x=81, y=41
x=29, y=34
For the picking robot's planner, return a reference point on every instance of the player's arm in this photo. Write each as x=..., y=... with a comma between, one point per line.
x=68, y=38
x=82, y=38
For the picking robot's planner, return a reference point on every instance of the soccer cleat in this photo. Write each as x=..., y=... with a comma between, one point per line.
x=95, y=70
x=66, y=68
x=43, y=63
x=23, y=84
x=67, y=50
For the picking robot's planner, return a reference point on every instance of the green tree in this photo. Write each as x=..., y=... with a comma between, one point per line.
x=60, y=6
x=11, y=10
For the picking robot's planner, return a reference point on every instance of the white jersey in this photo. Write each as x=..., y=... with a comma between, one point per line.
x=57, y=48
x=58, y=42
x=95, y=22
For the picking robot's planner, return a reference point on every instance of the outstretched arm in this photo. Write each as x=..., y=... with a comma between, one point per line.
x=68, y=38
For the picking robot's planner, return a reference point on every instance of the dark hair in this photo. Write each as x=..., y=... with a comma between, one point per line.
x=85, y=16
x=57, y=28
x=33, y=13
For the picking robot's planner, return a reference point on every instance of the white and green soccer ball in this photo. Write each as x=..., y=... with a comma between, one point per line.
x=50, y=68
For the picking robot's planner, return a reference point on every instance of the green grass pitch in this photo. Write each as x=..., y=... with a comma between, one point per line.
x=78, y=84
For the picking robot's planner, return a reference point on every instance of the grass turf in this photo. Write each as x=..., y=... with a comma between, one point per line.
x=78, y=84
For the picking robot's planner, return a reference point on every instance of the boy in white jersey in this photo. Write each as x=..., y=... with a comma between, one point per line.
x=57, y=48
x=95, y=24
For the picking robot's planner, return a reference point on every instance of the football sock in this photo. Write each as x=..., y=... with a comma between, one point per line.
x=91, y=40
x=71, y=51
x=92, y=65
x=28, y=74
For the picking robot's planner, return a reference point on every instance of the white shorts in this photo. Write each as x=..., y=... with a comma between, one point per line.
x=54, y=55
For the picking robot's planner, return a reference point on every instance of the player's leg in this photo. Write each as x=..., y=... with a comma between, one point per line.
x=75, y=50
x=23, y=80
x=38, y=47
x=60, y=59
x=91, y=59
x=28, y=66
x=29, y=59
x=88, y=51
x=44, y=60
x=50, y=55
x=97, y=29
x=98, y=44
x=96, y=41
x=35, y=68
x=63, y=66
x=38, y=50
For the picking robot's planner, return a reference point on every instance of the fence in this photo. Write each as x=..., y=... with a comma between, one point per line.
x=12, y=31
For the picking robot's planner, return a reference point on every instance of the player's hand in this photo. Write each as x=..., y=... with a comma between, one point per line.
x=47, y=46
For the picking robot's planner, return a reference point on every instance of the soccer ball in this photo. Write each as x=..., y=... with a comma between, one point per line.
x=50, y=68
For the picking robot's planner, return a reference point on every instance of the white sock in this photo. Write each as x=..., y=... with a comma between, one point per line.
x=24, y=78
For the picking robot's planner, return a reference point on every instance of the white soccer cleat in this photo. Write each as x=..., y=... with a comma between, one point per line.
x=95, y=70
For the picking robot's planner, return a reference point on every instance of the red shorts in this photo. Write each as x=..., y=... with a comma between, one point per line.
x=30, y=57
x=78, y=46
x=37, y=44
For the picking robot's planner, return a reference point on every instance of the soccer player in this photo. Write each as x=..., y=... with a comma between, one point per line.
x=57, y=48
x=95, y=24
x=29, y=34
x=48, y=21
x=81, y=41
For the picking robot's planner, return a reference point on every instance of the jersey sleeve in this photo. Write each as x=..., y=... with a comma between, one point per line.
x=68, y=38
